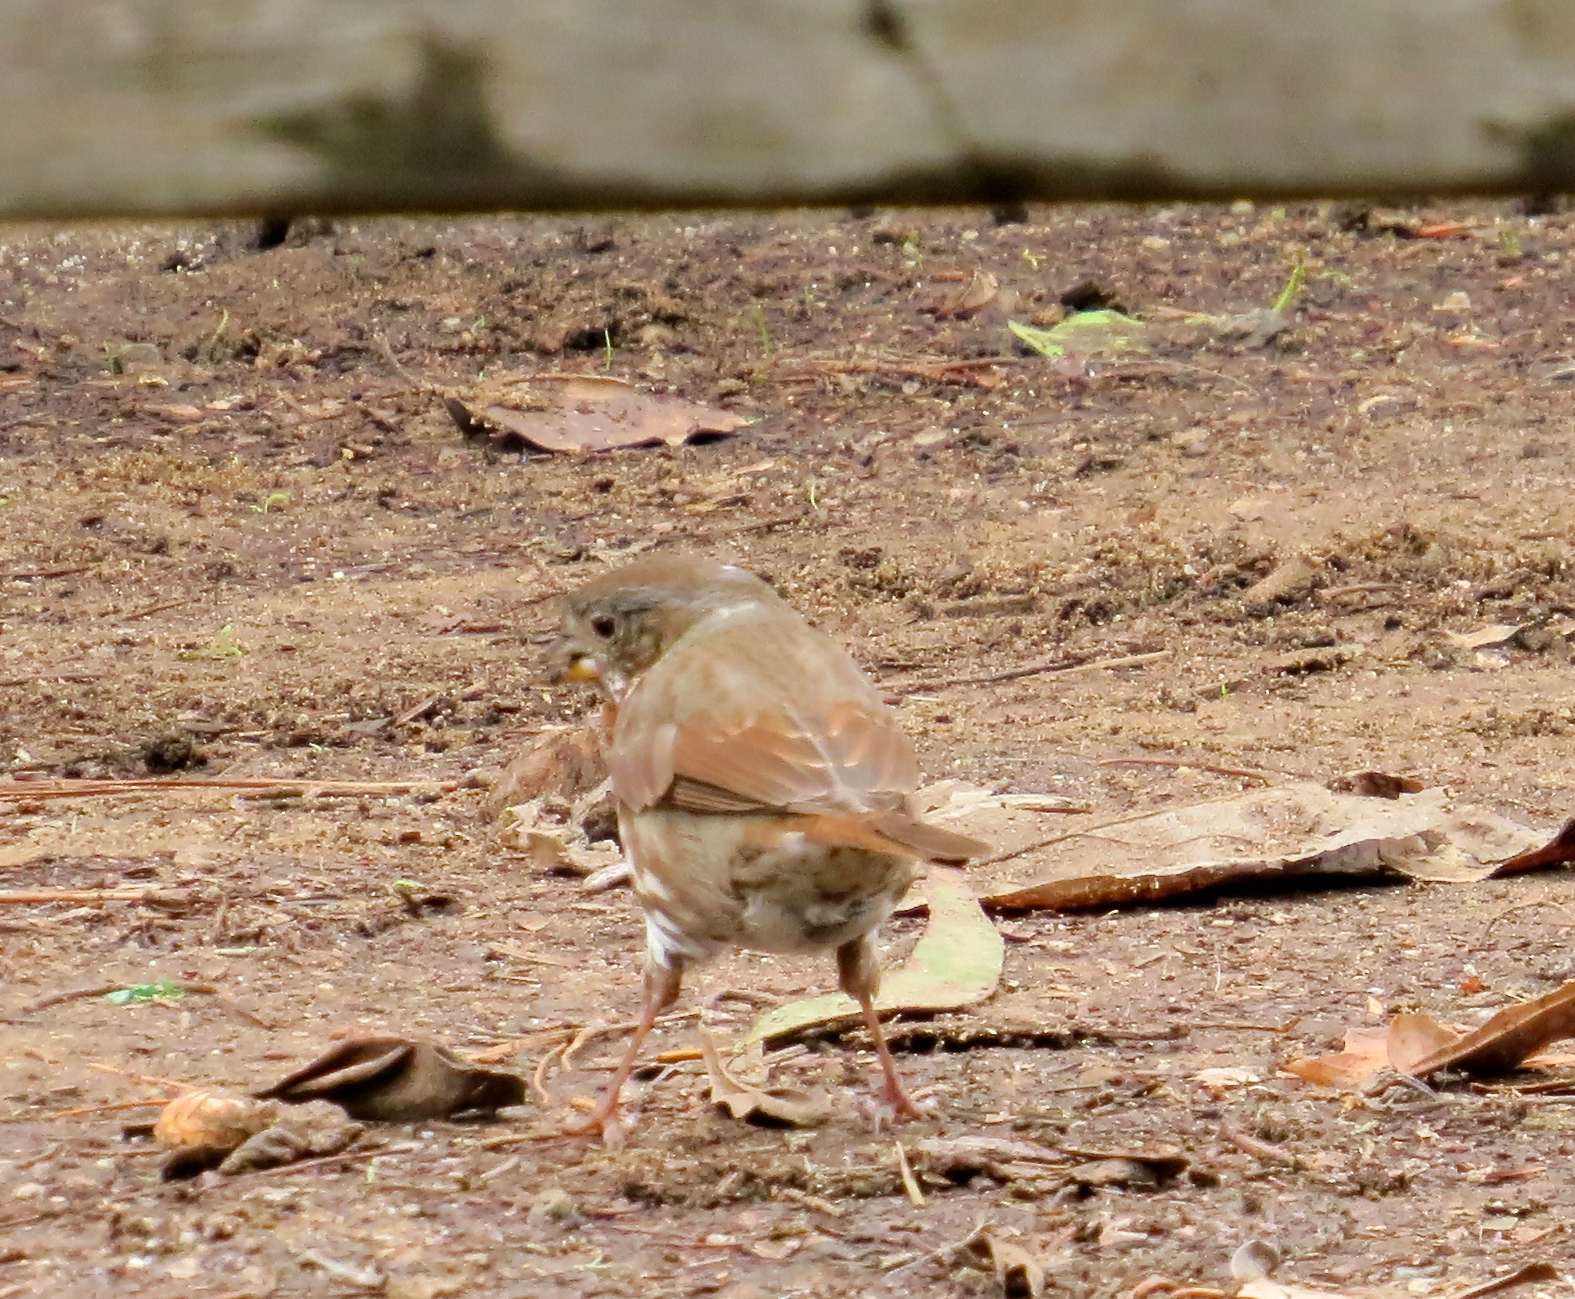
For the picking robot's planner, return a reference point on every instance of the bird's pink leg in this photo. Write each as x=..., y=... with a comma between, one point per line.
x=859, y=972
x=661, y=990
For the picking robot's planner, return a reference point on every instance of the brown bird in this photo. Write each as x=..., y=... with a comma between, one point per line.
x=761, y=782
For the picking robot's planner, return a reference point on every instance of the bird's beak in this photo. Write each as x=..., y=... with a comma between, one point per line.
x=582, y=667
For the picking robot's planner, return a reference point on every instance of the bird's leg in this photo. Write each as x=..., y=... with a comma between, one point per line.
x=661, y=990
x=859, y=972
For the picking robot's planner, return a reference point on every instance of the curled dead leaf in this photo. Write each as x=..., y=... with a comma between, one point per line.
x=1506, y=1040
x=565, y=761
x=977, y=292
x=1417, y=1045
x=554, y=837
x=777, y=1107
x=580, y=413
x=396, y=1080
x=1016, y=1271
x=303, y=1132
x=1375, y=784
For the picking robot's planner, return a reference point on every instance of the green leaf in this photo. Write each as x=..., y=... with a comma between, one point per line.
x=1085, y=333
x=956, y=963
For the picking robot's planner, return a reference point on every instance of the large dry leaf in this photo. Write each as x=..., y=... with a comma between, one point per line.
x=1293, y=831
x=588, y=413
x=956, y=963
x=1418, y=1045
x=1508, y=1039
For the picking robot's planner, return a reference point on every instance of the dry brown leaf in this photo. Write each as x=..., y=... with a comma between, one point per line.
x=563, y=760
x=1298, y=830
x=980, y=290
x=1375, y=784
x=396, y=1080
x=1508, y=1039
x=777, y=1107
x=1016, y=1271
x=579, y=413
x=303, y=1132
x=1366, y=1054
x=1559, y=851
x=1418, y=1045
x=1531, y=1272
x=1414, y=1036
x=1407, y=1038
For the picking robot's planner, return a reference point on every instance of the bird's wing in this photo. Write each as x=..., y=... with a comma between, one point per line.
x=756, y=711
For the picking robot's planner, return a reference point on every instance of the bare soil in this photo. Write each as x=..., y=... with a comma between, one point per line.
x=234, y=518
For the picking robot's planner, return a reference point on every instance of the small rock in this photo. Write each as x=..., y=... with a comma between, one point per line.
x=554, y=1205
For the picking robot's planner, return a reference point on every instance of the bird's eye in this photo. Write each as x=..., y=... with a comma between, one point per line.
x=604, y=626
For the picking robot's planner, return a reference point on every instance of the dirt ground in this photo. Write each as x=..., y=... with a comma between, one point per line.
x=233, y=512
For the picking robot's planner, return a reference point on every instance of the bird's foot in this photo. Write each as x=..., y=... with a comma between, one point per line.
x=605, y=1121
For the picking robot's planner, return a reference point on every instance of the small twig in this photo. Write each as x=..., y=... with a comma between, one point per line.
x=192, y=989
x=590, y=1032
x=48, y=788
x=910, y=1183
x=1264, y=1150
x=1531, y=1272
x=538, y=1078
x=1519, y=906
x=1062, y=838
x=83, y=1110
x=1359, y=588
x=512, y=1162
x=42, y=897
x=422, y=385
x=503, y=1050
x=1249, y=773
x=149, y=612
x=1059, y=666
x=940, y=1255
x=27, y=575
x=410, y=714
x=146, y=1079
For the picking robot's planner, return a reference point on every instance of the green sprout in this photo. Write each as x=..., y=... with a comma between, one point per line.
x=607, y=348
x=269, y=501
x=1293, y=286
x=226, y=645
x=759, y=314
